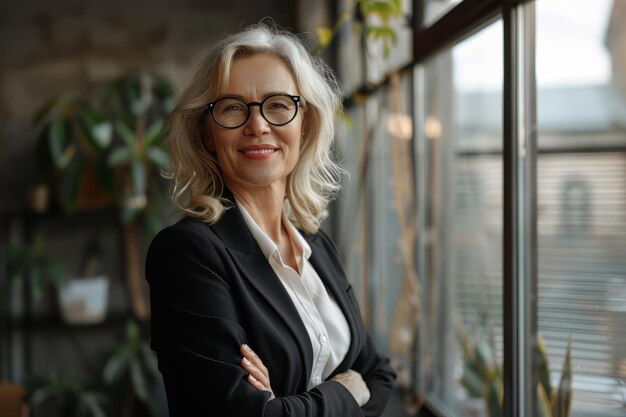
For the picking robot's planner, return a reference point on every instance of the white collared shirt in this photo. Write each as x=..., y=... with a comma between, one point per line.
x=324, y=321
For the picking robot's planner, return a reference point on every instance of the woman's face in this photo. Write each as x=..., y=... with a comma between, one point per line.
x=257, y=154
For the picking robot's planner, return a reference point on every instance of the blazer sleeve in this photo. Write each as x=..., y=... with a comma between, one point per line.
x=370, y=363
x=196, y=335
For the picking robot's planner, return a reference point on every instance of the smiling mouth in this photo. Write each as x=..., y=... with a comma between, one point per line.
x=266, y=151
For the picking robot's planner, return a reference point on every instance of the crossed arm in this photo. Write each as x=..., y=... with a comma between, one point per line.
x=195, y=327
x=259, y=377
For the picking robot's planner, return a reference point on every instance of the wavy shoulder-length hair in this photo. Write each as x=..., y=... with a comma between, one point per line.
x=198, y=184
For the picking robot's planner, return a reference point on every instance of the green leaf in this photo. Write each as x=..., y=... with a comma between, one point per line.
x=119, y=156
x=543, y=402
x=93, y=404
x=493, y=399
x=357, y=27
x=116, y=367
x=324, y=36
x=42, y=394
x=135, y=104
x=70, y=182
x=158, y=157
x=139, y=381
x=543, y=368
x=563, y=400
x=472, y=381
x=89, y=122
x=384, y=33
x=382, y=9
x=57, y=142
x=55, y=273
x=484, y=359
x=132, y=332
x=102, y=134
x=153, y=132
x=126, y=133
x=150, y=361
x=129, y=214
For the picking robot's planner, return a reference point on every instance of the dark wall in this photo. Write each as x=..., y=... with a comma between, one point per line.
x=74, y=47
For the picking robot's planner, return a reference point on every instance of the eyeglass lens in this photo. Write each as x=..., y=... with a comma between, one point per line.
x=232, y=112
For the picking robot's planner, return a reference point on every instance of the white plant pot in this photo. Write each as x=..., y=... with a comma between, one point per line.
x=472, y=407
x=84, y=300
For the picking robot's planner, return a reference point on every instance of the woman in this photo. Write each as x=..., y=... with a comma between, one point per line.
x=252, y=314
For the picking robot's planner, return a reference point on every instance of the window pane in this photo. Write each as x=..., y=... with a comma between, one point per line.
x=375, y=213
x=463, y=279
x=581, y=110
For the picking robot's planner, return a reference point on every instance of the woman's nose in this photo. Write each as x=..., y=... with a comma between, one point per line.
x=256, y=124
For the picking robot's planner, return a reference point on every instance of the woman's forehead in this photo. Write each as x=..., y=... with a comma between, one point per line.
x=260, y=74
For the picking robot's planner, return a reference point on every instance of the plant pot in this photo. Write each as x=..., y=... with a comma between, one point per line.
x=84, y=300
x=38, y=198
x=472, y=407
x=12, y=400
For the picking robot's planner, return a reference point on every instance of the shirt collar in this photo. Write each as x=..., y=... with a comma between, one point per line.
x=267, y=245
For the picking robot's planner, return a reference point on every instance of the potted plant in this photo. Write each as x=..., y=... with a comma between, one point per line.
x=109, y=153
x=133, y=366
x=31, y=265
x=74, y=136
x=67, y=396
x=482, y=378
x=83, y=299
x=480, y=370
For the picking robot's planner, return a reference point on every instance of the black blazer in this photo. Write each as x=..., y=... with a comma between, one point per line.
x=211, y=290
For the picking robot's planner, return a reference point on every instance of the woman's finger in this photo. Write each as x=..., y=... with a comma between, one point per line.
x=258, y=374
x=249, y=354
x=255, y=372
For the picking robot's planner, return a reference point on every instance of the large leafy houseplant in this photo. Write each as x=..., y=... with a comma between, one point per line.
x=114, y=138
x=108, y=152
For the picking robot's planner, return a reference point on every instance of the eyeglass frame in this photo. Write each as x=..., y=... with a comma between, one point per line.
x=295, y=99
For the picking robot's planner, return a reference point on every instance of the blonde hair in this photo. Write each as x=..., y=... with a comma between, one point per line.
x=198, y=185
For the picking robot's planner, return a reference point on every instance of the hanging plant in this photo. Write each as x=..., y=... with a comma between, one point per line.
x=371, y=17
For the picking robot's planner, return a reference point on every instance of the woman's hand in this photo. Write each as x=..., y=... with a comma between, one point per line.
x=353, y=381
x=259, y=376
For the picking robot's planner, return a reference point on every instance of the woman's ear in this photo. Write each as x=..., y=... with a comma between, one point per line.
x=305, y=124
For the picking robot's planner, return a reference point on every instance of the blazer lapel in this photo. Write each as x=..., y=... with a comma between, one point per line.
x=256, y=270
x=324, y=266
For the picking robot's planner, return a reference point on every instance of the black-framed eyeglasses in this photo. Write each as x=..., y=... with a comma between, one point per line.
x=277, y=109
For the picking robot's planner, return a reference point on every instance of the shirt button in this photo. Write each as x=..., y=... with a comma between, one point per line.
x=323, y=338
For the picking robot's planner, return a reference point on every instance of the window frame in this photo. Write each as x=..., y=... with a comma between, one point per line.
x=520, y=274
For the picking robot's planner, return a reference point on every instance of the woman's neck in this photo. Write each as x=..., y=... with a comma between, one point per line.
x=265, y=206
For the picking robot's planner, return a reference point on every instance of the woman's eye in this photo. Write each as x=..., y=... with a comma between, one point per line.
x=233, y=108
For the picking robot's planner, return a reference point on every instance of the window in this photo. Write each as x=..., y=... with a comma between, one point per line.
x=462, y=281
x=581, y=109
x=519, y=176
